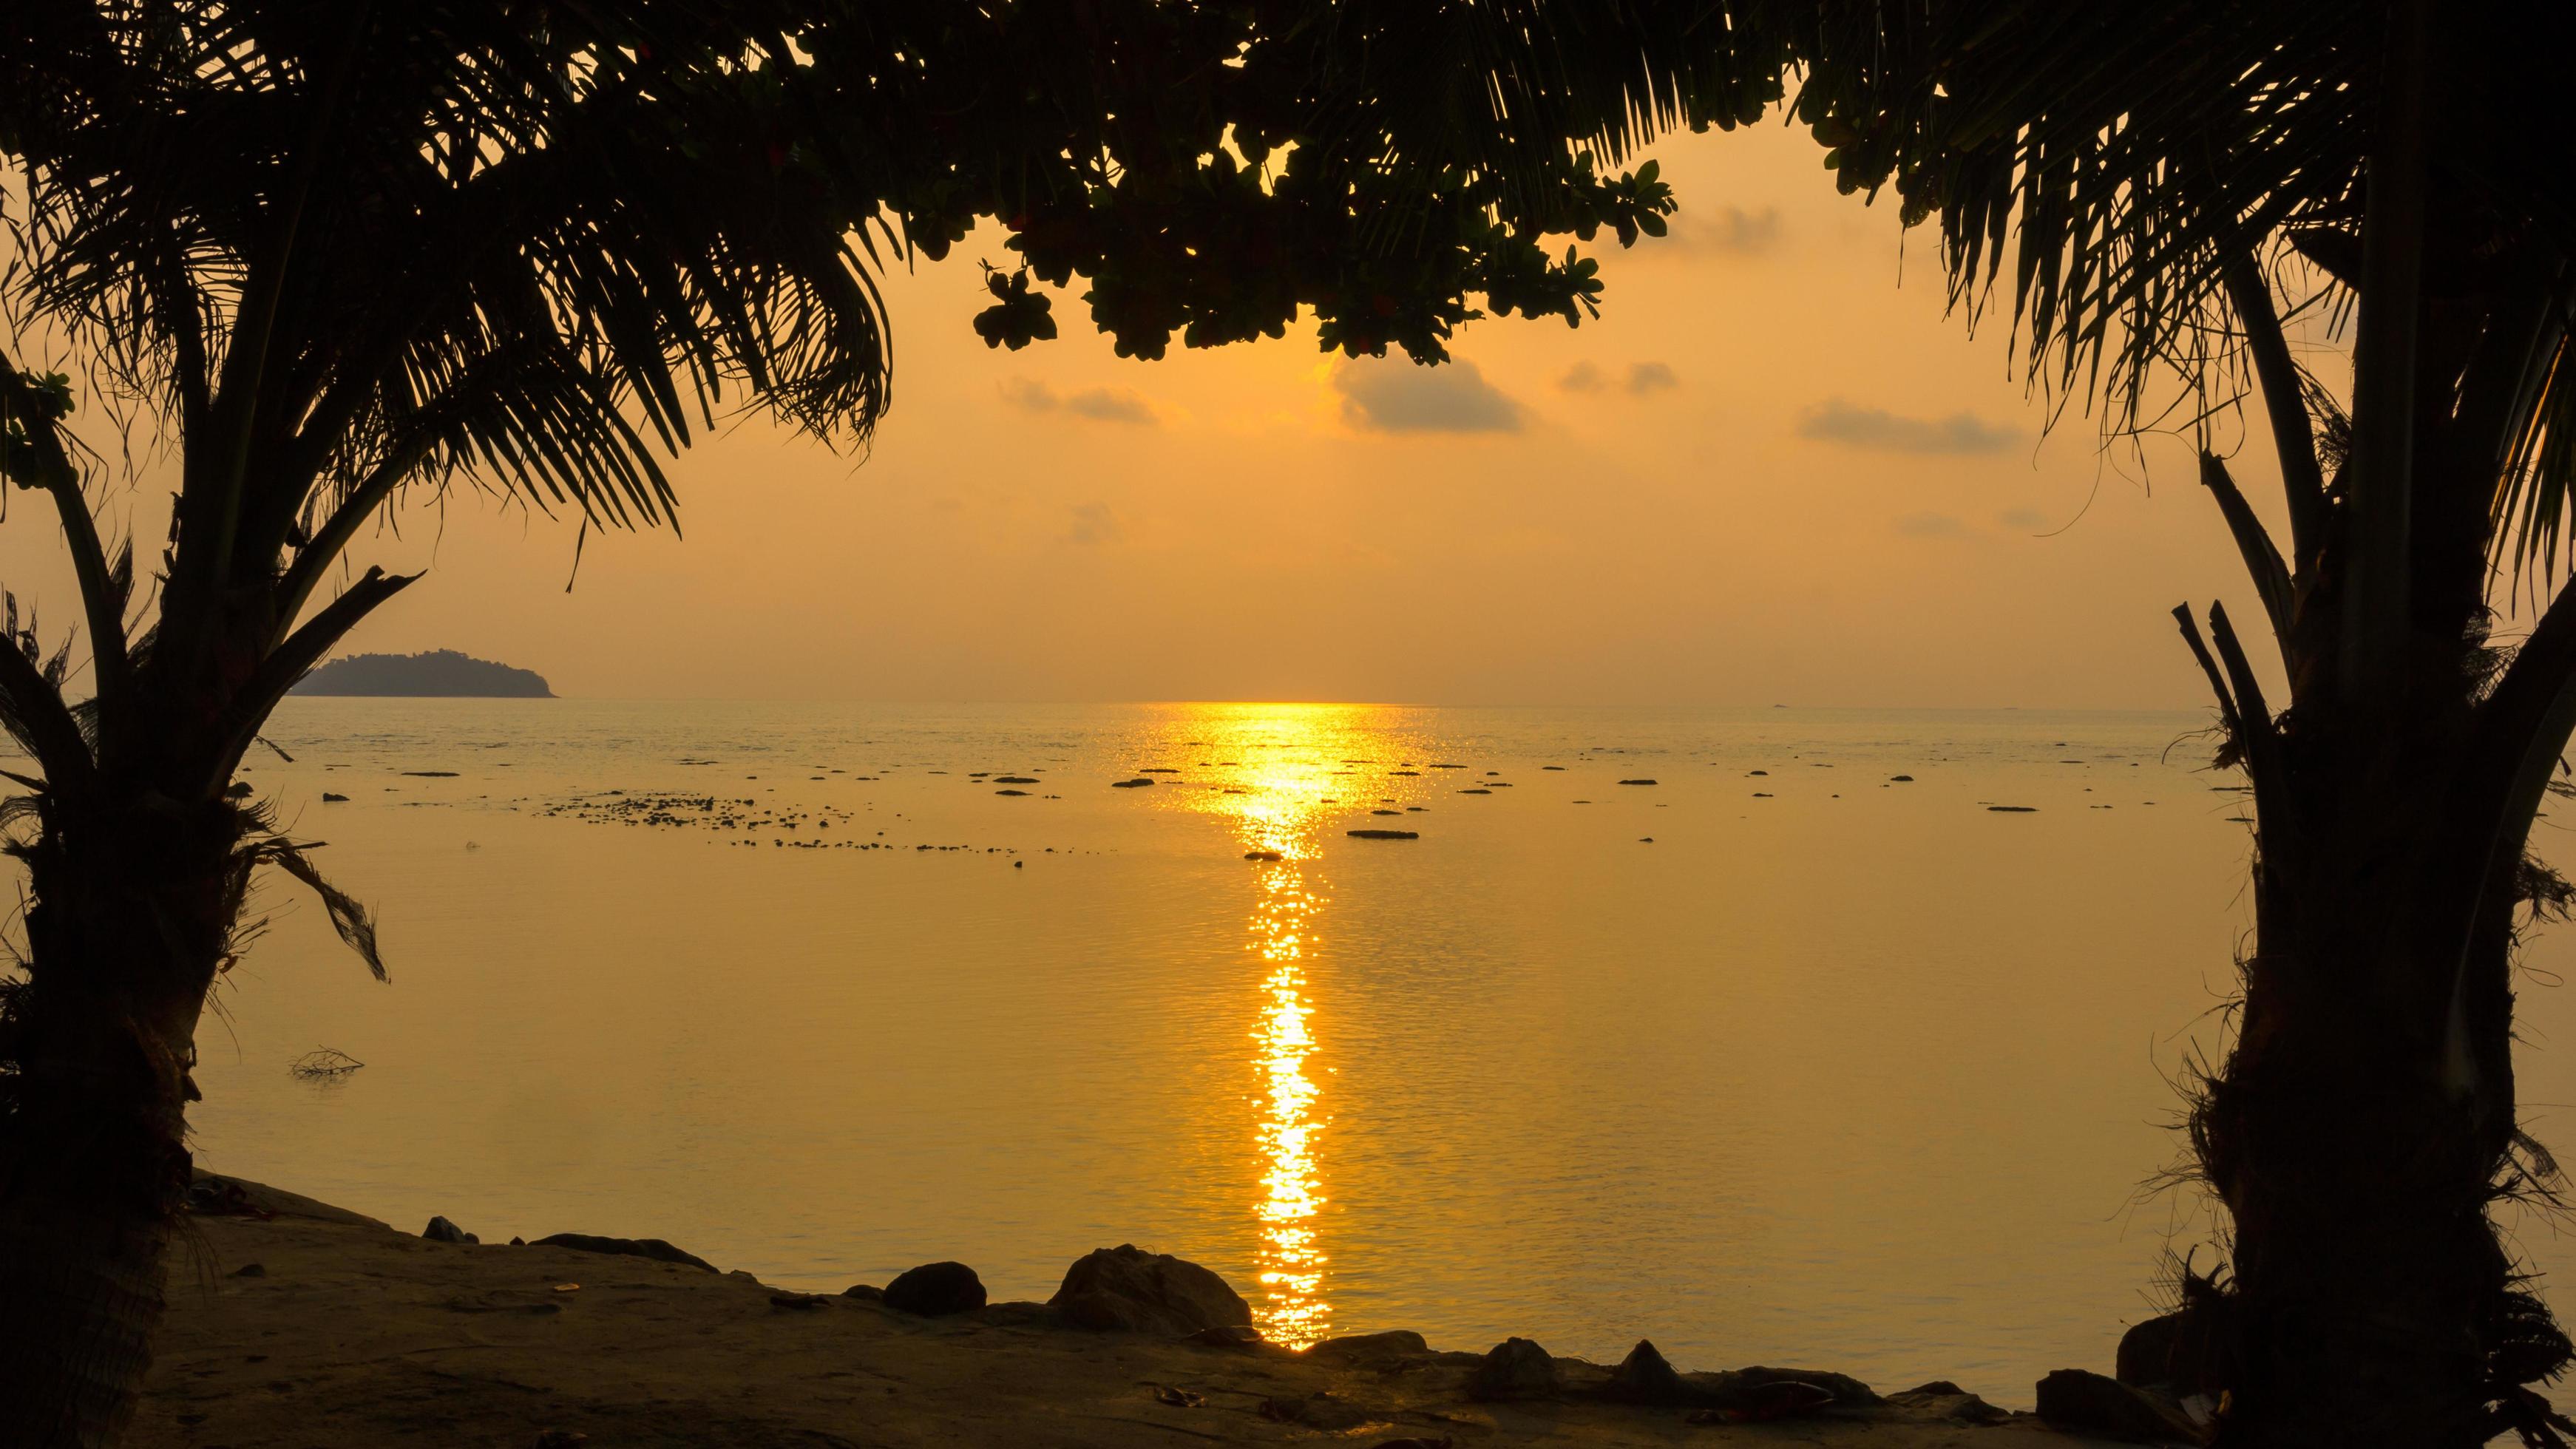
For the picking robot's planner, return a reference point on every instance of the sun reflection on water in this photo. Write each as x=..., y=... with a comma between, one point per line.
x=1291, y=1255
x=1285, y=771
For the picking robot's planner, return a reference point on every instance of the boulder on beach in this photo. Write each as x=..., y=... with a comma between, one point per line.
x=1778, y=1392
x=936, y=1290
x=1515, y=1368
x=2184, y=1351
x=2088, y=1403
x=1950, y=1401
x=440, y=1230
x=1645, y=1376
x=1371, y=1348
x=653, y=1248
x=1128, y=1290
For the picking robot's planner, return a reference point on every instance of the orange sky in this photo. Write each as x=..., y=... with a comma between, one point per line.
x=1774, y=471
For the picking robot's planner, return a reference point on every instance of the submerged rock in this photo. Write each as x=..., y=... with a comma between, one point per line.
x=1137, y=783
x=936, y=1290
x=653, y=1248
x=1383, y=834
x=1261, y=855
x=330, y=799
x=1516, y=1368
x=1126, y=1289
x=1639, y=782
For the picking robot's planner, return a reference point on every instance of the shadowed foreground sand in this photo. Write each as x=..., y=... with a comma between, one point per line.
x=353, y=1334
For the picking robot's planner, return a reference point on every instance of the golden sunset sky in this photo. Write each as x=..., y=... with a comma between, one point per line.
x=1773, y=472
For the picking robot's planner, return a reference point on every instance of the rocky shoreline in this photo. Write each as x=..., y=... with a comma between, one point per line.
x=295, y=1323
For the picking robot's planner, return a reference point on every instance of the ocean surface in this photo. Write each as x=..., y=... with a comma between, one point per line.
x=1709, y=1027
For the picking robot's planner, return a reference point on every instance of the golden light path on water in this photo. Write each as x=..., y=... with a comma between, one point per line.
x=1292, y=758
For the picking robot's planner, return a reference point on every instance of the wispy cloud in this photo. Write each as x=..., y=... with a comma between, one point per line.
x=1840, y=423
x=1642, y=378
x=1100, y=404
x=1646, y=377
x=1930, y=525
x=2022, y=518
x=1094, y=523
x=1723, y=229
x=1400, y=397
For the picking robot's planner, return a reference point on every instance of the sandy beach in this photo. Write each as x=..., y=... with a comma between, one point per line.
x=319, y=1327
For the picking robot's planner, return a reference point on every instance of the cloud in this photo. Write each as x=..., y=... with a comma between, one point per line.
x=1930, y=525
x=1094, y=523
x=1643, y=378
x=1958, y=434
x=1109, y=405
x=1398, y=397
x=1100, y=404
x=1646, y=377
x=1725, y=229
x=1029, y=395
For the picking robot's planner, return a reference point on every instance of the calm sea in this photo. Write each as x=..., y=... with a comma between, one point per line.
x=1701, y=1026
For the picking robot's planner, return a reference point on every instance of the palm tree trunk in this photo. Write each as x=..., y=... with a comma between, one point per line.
x=129, y=920
x=2373, y=1303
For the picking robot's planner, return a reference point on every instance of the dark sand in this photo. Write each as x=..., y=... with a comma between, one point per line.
x=355, y=1334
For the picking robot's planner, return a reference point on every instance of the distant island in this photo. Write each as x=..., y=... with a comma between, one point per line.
x=438, y=672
